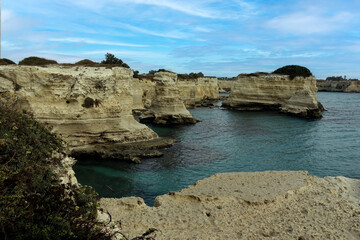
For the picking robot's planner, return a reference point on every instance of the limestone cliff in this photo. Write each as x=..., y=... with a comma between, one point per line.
x=225, y=85
x=338, y=86
x=260, y=205
x=162, y=101
x=87, y=106
x=295, y=96
x=202, y=91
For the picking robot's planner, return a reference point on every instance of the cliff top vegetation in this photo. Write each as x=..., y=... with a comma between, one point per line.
x=5, y=61
x=36, y=61
x=293, y=71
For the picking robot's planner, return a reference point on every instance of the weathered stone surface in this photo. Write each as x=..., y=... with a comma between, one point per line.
x=202, y=91
x=275, y=92
x=225, y=85
x=162, y=101
x=260, y=205
x=338, y=86
x=87, y=106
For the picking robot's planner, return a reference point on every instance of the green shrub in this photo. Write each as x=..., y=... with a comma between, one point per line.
x=33, y=203
x=110, y=59
x=36, y=61
x=5, y=61
x=294, y=71
x=85, y=62
x=88, y=103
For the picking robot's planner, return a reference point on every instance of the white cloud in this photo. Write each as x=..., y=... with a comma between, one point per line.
x=309, y=22
x=90, y=41
x=171, y=34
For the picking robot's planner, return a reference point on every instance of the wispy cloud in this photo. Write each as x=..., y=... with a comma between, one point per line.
x=309, y=22
x=172, y=34
x=97, y=42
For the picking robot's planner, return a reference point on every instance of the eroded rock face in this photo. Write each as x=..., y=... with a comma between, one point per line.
x=276, y=205
x=338, y=86
x=162, y=101
x=86, y=106
x=202, y=91
x=275, y=92
x=225, y=85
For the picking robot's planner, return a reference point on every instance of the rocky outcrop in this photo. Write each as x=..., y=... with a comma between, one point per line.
x=226, y=85
x=295, y=96
x=162, y=101
x=338, y=86
x=87, y=106
x=198, y=92
x=260, y=205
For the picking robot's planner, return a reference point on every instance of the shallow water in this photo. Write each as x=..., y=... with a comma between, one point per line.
x=233, y=141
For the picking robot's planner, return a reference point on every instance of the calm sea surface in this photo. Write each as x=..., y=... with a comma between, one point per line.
x=233, y=141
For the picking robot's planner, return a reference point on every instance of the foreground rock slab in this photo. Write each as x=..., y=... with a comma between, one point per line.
x=260, y=205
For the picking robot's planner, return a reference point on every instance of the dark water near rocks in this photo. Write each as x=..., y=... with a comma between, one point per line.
x=233, y=141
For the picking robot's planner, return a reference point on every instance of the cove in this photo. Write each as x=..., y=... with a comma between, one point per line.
x=235, y=141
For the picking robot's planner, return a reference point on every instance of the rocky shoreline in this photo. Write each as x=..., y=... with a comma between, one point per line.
x=259, y=205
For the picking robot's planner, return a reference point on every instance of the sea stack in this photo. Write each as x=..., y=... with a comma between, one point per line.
x=166, y=107
x=291, y=92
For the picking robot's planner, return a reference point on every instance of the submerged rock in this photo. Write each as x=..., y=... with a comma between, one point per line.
x=279, y=205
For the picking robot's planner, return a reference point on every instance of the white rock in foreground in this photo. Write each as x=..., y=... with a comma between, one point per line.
x=260, y=205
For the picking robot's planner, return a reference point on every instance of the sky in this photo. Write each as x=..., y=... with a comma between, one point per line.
x=219, y=38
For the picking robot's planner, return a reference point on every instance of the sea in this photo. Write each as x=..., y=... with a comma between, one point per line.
x=238, y=141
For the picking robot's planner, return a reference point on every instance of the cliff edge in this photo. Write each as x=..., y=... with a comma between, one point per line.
x=90, y=107
x=259, y=205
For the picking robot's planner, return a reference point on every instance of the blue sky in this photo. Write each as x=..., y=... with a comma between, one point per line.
x=218, y=38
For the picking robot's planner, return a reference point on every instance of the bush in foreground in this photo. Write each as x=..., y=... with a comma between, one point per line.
x=36, y=61
x=33, y=203
x=293, y=71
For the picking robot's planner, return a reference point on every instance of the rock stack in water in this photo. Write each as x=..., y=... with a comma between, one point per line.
x=291, y=94
x=200, y=91
x=168, y=107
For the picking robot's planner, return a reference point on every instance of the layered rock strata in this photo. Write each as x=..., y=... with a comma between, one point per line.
x=162, y=101
x=295, y=96
x=225, y=85
x=198, y=92
x=87, y=106
x=338, y=86
x=260, y=205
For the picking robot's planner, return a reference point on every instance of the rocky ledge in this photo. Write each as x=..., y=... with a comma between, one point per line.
x=291, y=95
x=90, y=107
x=259, y=205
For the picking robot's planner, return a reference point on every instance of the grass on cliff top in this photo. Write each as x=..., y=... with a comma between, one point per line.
x=33, y=204
x=293, y=71
x=36, y=61
x=5, y=61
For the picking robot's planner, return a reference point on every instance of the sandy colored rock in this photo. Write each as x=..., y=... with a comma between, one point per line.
x=162, y=101
x=202, y=91
x=260, y=205
x=85, y=105
x=338, y=86
x=275, y=92
x=225, y=85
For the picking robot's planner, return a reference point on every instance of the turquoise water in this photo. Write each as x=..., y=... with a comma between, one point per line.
x=233, y=141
